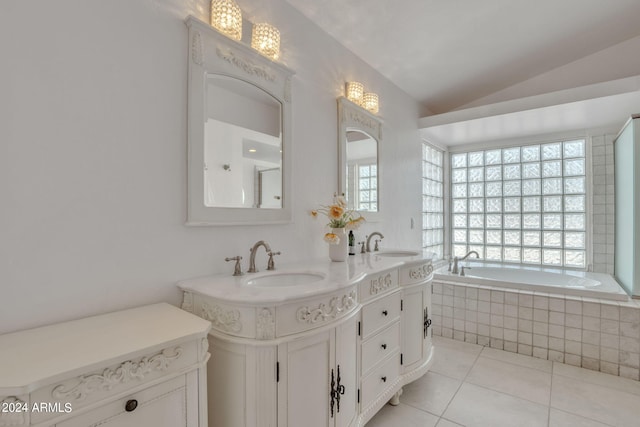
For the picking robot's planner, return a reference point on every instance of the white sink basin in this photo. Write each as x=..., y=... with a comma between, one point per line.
x=284, y=279
x=397, y=253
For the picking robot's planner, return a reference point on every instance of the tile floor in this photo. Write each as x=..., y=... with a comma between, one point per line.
x=470, y=385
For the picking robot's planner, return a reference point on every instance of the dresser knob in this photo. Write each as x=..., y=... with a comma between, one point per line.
x=385, y=312
x=384, y=346
x=131, y=405
x=384, y=379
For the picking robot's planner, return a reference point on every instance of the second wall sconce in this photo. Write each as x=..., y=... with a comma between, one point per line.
x=354, y=92
x=226, y=17
x=370, y=102
x=265, y=38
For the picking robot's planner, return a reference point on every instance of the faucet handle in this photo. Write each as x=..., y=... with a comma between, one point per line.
x=270, y=264
x=362, y=249
x=375, y=248
x=237, y=270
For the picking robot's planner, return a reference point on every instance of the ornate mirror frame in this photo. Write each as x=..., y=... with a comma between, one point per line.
x=210, y=52
x=352, y=117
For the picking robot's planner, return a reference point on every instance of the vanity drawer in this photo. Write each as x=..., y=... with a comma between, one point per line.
x=379, y=346
x=416, y=273
x=380, y=379
x=380, y=313
x=377, y=284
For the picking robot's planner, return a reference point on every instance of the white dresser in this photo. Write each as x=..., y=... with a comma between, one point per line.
x=143, y=367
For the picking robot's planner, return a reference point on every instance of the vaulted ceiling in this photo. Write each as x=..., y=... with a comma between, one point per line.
x=450, y=53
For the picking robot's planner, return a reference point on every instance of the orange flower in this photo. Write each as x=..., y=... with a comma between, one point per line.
x=332, y=238
x=335, y=212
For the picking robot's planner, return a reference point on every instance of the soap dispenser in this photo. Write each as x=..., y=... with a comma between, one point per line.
x=352, y=243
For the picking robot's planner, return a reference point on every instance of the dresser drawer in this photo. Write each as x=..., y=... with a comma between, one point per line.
x=380, y=379
x=378, y=314
x=379, y=346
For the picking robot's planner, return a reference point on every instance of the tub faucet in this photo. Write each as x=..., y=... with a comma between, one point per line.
x=454, y=270
x=252, y=256
x=375, y=233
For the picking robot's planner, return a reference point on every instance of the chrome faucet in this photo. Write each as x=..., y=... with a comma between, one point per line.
x=454, y=270
x=375, y=233
x=252, y=256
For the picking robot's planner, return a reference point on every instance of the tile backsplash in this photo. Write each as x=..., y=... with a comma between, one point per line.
x=600, y=335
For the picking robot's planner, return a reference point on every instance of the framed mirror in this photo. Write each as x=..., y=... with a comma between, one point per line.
x=359, y=136
x=239, y=139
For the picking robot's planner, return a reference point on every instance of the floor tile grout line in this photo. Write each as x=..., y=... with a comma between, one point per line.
x=462, y=381
x=517, y=364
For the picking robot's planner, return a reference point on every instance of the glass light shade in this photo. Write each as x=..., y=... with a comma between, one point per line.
x=265, y=38
x=226, y=17
x=354, y=92
x=370, y=102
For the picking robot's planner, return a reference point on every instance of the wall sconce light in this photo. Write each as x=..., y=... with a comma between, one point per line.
x=370, y=102
x=226, y=17
x=265, y=38
x=354, y=92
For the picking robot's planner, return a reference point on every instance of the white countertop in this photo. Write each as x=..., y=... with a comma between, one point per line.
x=337, y=275
x=36, y=357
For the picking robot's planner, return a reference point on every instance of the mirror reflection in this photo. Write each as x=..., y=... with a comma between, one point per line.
x=361, y=171
x=242, y=145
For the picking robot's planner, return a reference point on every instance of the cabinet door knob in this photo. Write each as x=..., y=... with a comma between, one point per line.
x=384, y=379
x=385, y=312
x=384, y=346
x=131, y=405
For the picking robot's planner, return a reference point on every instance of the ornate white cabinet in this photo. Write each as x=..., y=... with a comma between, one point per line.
x=307, y=396
x=395, y=344
x=416, y=319
x=289, y=364
x=144, y=367
x=325, y=354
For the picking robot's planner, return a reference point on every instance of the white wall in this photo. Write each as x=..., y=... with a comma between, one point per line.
x=93, y=99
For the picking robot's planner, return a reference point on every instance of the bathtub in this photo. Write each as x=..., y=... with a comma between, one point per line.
x=531, y=278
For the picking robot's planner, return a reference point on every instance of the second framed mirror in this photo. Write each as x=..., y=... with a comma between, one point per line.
x=359, y=137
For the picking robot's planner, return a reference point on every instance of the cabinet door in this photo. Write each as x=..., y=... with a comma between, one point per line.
x=416, y=338
x=346, y=342
x=163, y=405
x=304, y=385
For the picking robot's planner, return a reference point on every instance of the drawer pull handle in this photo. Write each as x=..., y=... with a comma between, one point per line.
x=131, y=405
x=384, y=379
x=385, y=312
x=384, y=346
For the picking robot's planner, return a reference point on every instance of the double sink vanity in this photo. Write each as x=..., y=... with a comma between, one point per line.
x=314, y=343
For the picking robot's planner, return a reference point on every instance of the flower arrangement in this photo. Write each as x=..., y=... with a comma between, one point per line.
x=339, y=217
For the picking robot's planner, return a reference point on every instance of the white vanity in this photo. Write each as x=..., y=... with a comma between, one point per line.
x=314, y=344
x=143, y=367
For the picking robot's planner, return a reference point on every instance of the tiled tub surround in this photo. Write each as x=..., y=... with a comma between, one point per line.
x=596, y=334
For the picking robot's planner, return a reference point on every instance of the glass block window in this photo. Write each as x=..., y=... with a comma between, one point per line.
x=362, y=184
x=521, y=204
x=432, y=200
